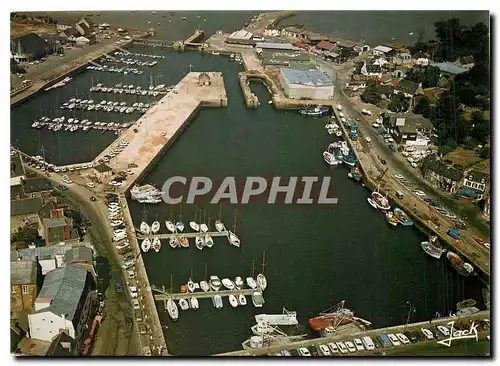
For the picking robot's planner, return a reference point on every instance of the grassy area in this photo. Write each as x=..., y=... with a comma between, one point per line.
x=432, y=349
x=462, y=157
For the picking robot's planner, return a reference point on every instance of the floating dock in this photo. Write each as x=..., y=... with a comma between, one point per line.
x=163, y=296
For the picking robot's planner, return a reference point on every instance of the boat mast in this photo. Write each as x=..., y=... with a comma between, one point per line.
x=263, y=261
x=205, y=271
x=253, y=267
x=181, y=213
x=234, y=226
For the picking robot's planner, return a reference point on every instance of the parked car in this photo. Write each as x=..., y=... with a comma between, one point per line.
x=394, y=340
x=443, y=330
x=324, y=350
x=136, y=304
x=333, y=347
x=350, y=346
x=358, y=344
x=303, y=351
x=342, y=347
x=404, y=339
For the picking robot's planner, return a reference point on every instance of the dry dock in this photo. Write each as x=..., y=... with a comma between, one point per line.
x=164, y=121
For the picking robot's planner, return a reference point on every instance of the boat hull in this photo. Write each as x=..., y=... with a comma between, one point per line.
x=321, y=322
x=430, y=250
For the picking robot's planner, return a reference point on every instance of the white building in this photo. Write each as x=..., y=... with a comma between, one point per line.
x=383, y=51
x=64, y=303
x=240, y=37
x=311, y=84
x=82, y=41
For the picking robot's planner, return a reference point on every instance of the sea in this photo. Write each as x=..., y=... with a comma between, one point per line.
x=313, y=256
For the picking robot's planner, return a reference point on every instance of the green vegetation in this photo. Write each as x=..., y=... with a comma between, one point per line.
x=27, y=235
x=371, y=94
x=399, y=103
x=429, y=77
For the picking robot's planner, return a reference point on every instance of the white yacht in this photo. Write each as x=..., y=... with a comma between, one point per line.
x=257, y=299
x=233, y=239
x=242, y=299
x=261, y=281
x=170, y=226
x=194, y=303
x=219, y=226
x=215, y=283
x=144, y=228
x=184, y=304
x=146, y=245
x=204, y=228
x=217, y=300
x=204, y=286
x=172, y=309
x=238, y=282
x=251, y=283
x=199, y=242
x=228, y=283
x=156, y=244
x=190, y=285
x=144, y=192
x=194, y=226
x=155, y=227
x=233, y=301
x=286, y=318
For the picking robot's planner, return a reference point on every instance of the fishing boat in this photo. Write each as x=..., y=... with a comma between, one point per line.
x=242, y=299
x=228, y=283
x=155, y=227
x=261, y=281
x=285, y=318
x=329, y=158
x=238, y=282
x=172, y=309
x=381, y=201
x=217, y=301
x=190, y=285
x=349, y=159
x=254, y=342
x=145, y=191
x=262, y=328
x=146, y=245
x=403, y=217
x=179, y=226
x=204, y=286
x=170, y=226
x=144, y=228
x=209, y=242
x=331, y=317
x=215, y=283
x=251, y=283
x=194, y=226
x=194, y=303
x=184, y=242
x=156, y=244
x=184, y=304
x=233, y=301
x=257, y=299
x=199, y=242
x=356, y=174
x=315, y=111
x=391, y=219
x=432, y=248
x=372, y=203
x=219, y=226
x=462, y=267
x=174, y=242
x=233, y=239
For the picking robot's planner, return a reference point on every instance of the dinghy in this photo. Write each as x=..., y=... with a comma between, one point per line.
x=183, y=303
x=233, y=239
x=204, y=228
x=170, y=226
x=179, y=226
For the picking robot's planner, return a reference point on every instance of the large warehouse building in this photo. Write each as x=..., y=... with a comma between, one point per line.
x=300, y=84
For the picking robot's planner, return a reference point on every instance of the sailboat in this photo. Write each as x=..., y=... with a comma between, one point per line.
x=261, y=279
x=190, y=285
x=242, y=299
x=144, y=228
x=250, y=281
x=172, y=309
x=156, y=244
x=170, y=226
x=257, y=299
x=146, y=245
x=233, y=301
x=179, y=224
x=194, y=303
x=174, y=242
x=199, y=242
x=219, y=226
x=233, y=239
x=228, y=283
x=203, y=227
x=155, y=227
x=238, y=282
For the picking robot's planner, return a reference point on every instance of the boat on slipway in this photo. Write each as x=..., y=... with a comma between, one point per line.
x=403, y=217
x=332, y=317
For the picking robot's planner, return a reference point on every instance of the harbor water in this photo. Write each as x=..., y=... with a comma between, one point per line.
x=315, y=255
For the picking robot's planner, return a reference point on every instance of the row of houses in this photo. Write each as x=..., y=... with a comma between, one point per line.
x=81, y=34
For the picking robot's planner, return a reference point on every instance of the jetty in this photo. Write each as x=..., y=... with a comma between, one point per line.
x=162, y=295
x=187, y=235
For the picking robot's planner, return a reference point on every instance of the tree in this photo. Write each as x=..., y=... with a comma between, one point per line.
x=431, y=77
x=480, y=129
x=371, y=95
x=423, y=108
x=484, y=152
x=398, y=103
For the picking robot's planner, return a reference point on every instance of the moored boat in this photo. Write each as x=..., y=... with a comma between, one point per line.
x=432, y=250
x=257, y=299
x=174, y=242
x=242, y=299
x=144, y=228
x=215, y=283
x=391, y=219
x=372, y=203
x=233, y=301
x=228, y=283
x=261, y=281
x=155, y=227
x=204, y=228
x=329, y=158
x=463, y=268
x=356, y=174
x=380, y=201
x=179, y=226
x=170, y=226
x=334, y=316
x=233, y=239
x=217, y=300
x=204, y=286
x=190, y=285
x=199, y=242
x=184, y=242
x=146, y=245
x=184, y=304
x=194, y=303
x=209, y=242
x=194, y=226
x=403, y=217
x=219, y=226
x=316, y=111
x=251, y=282
x=172, y=309
x=156, y=244
x=238, y=282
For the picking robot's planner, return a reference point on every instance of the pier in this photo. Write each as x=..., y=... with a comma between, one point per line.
x=187, y=235
x=164, y=296
x=163, y=123
x=251, y=99
x=197, y=34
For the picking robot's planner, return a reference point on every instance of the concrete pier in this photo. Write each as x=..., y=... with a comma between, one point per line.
x=202, y=294
x=251, y=99
x=162, y=124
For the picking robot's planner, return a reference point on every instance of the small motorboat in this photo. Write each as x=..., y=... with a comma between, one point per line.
x=179, y=226
x=238, y=282
x=251, y=283
x=194, y=303
x=219, y=226
x=233, y=300
x=194, y=226
x=156, y=244
x=257, y=299
x=155, y=227
x=380, y=201
x=170, y=226
x=228, y=283
x=242, y=299
x=215, y=283
x=372, y=203
x=204, y=286
x=199, y=242
x=146, y=245
x=209, y=242
x=233, y=239
x=391, y=218
x=184, y=242
x=204, y=228
x=329, y=158
x=174, y=243
x=184, y=304
x=144, y=228
x=261, y=281
x=190, y=285
x=172, y=309
x=217, y=300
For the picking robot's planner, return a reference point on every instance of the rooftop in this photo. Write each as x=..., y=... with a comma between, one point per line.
x=276, y=46
x=383, y=49
x=434, y=164
x=44, y=252
x=77, y=254
x=23, y=272
x=407, y=86
x=450, y=68
x=25, y=206
x=241, y=34
x=36, y=185
x=311, y=77
x=55, y=222
x=63, y=288
x=16, y=166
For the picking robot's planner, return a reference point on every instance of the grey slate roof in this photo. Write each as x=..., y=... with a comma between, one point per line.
x=23, y=272
x=442, y=169
x=25, y=206
x=16, y=166
x=63, y=287
x=450, y=68
x=30, y=43
x=44, y=252
x=477, y=176
x=78, y=254
x=306, y=77
x=407, y=86
x=276, y=46
x=37, y=184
